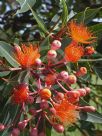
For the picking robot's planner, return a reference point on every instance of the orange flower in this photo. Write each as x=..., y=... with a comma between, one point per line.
x=27, y=56
x=80, y=33
x=66, y=112
x=20, y=94
x=73, y=52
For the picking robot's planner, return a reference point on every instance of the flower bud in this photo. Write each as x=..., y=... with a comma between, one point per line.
x=88, y=108
x=44, y=104
x=56, y=44
x=2, y=127
x=30, y=99
x=72, y=79
x=89, y=50
x=34, y=132
x=59, y=96
x=22, y=124
x=59, y=128
x=45, y=93
x=17, y=48
x=52, y=54
x=64, y=75
x=82, y=92
x=38, y=62
x=15, y=132
x=82, y=71
x=88, y=90
x=53, y=111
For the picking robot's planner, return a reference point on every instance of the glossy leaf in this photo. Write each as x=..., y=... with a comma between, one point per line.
x=90, y=116
x=87, y=15
x=64, y=13
x=24, y=5
x=2, y=74
x=39, y=21
x=6, y=51
x=97, y=30
x=98, y=70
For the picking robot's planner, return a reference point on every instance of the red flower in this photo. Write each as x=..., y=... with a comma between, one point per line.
x=26, y=56
x=50, y=79
x=80, y=33
x=20, y=94
x=66, y=112
x=73, y=52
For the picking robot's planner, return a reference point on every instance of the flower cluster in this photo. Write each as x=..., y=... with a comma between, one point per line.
x=52, y=97
x=80, y=35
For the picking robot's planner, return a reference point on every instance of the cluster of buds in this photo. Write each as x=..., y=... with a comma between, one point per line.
x=59, y=108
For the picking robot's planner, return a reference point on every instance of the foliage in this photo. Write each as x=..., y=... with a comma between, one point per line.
x=39, y=23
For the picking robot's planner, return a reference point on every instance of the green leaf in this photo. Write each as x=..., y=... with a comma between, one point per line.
x=38, y=20
x=94, y=117
x=64, y=13
x=6, y=51
x=90, y=116
x=24, y=76
x=2, y=74
x=9, y=113
x=48, y=129
x=87, y=15
x=24, y=5
x=98, y=70
x=97, y=29
x=44, y=47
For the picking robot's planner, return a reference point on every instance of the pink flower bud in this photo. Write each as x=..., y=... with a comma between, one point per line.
x=2, y=127
x=74, y=94
x=15, y=132
x=22, y=124
x=60, y=96
x=52, y=54
x=30, y=99
x=89, y=50
x=72, y=79
x=64, y=75
x=34, y=132
x=88, y=108
x=82, y=92
x=44, y=104
x=88, y=90
x=53, y=111
x=82, y=71
x=17, y=48
x=59, y=128
x=56, y=44
x=38, y=62
x=32, y=112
